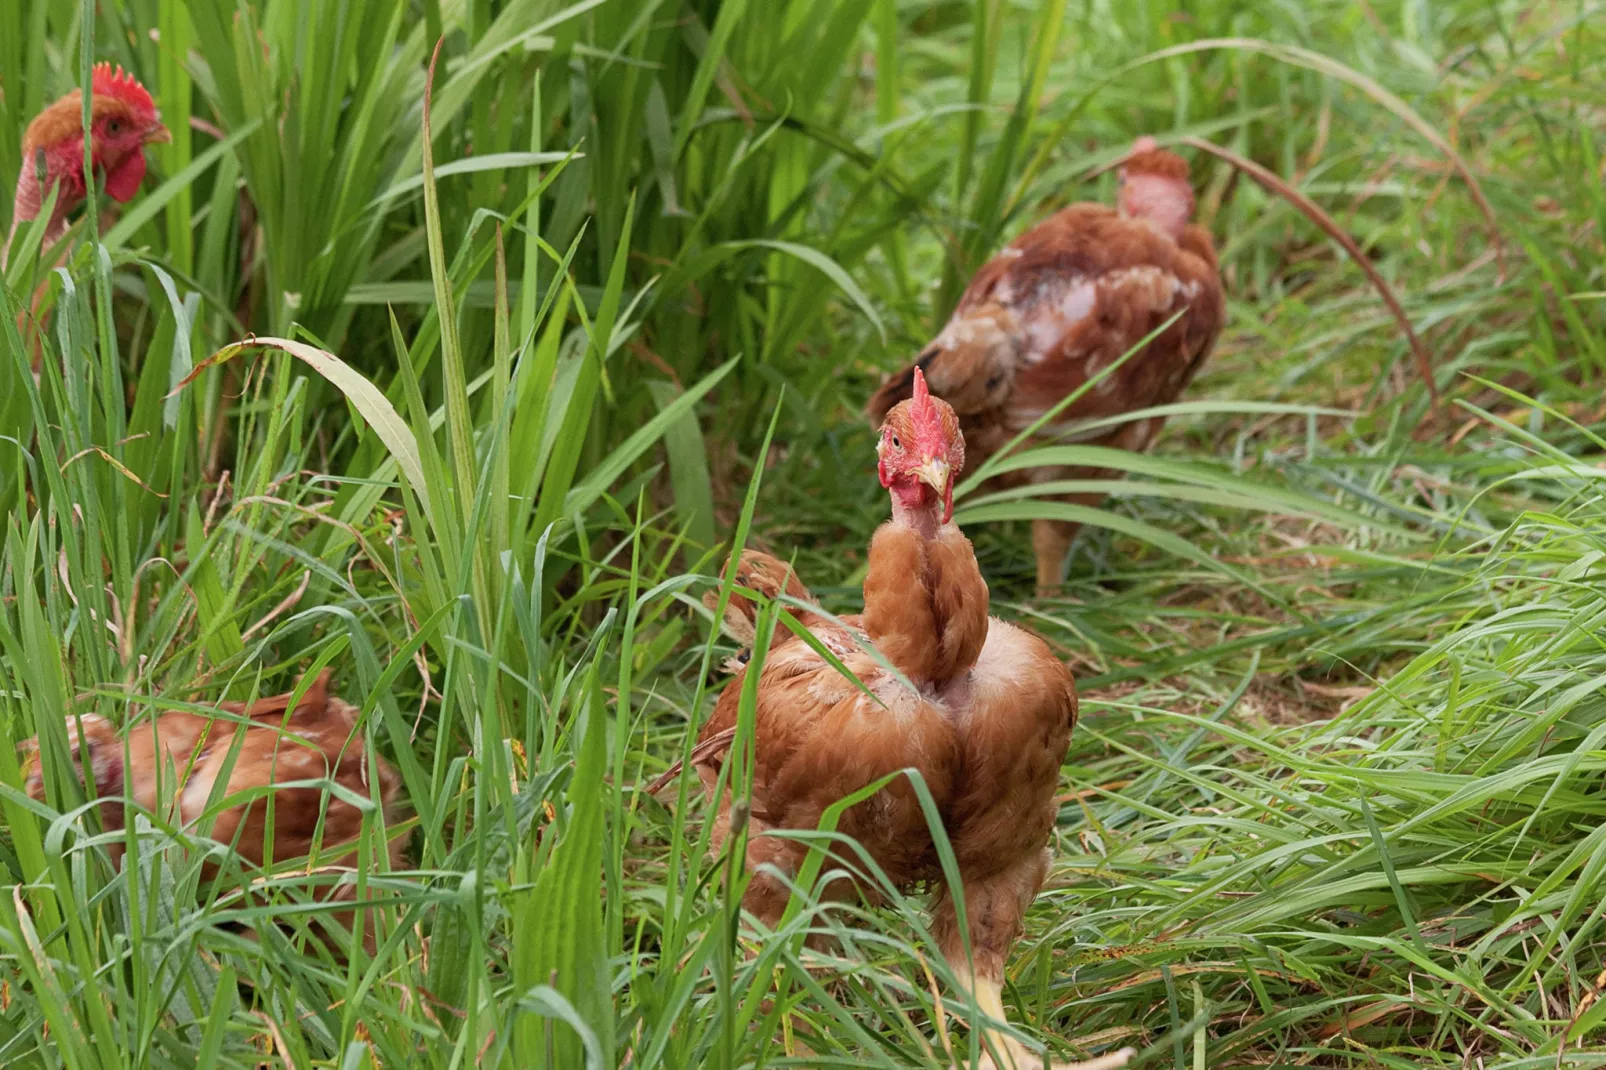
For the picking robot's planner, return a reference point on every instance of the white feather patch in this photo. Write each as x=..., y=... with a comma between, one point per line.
x=1002, y=669
x=1055, y=314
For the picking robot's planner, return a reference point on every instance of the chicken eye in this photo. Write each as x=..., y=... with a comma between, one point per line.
x=114, y=127
x=896, y=444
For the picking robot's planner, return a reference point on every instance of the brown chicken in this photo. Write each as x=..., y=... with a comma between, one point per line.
x=1064, y=301
x=123, y=120
x=986, y=722
x=319, y=739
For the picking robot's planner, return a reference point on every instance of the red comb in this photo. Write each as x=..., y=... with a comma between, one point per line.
x=922, y=399
x=1143, y=144
x=122, y=85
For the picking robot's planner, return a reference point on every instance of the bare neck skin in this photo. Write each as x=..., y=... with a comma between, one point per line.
x=926, y=520
x=30, y=197
x=24, y=207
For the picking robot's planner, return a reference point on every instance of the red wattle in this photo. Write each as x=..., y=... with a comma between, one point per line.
x=122, y=182
x=911, y=493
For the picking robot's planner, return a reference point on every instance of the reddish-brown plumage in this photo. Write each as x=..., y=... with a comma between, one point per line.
x=1064, y=301
x=123, y=120
x=182, y=756
x=770, y=576
x=1147, y=158
x=986, y=721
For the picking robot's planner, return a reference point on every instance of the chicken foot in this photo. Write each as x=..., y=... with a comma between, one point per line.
x=1000, y=1051
x=1051, y=541
x=994, y=909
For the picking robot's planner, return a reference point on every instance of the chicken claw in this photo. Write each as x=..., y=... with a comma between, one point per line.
x=1018, y=1056
x=1012, y=1054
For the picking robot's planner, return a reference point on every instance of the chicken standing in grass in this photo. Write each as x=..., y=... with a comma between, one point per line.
x=263, y=751
x=123, y=120
x=1060, y=304
x=986, y=722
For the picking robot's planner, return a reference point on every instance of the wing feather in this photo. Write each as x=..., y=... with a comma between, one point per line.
x=1062, y=302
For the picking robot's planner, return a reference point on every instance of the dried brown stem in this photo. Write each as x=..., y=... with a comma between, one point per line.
x=293, y=599
x=1313, y=211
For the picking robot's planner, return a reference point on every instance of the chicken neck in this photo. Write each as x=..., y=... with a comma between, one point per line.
x=924, y=518
x=29, y=199
x=23, y=208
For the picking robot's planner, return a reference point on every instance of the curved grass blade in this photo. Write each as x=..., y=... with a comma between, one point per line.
x=367, y=398
x=1099, y=518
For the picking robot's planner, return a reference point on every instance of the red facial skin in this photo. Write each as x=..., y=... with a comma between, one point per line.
x=921, y=453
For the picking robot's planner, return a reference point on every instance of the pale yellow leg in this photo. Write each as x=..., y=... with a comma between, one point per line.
x=1003, y=1052
x=1051, y=540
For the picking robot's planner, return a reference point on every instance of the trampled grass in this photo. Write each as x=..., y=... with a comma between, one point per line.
x=1336, y=799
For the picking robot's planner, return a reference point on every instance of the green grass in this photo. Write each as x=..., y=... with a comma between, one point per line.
x=1337, y=798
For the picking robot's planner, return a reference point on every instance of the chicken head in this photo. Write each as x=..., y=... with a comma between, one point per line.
x=1155, y=187
x=919, y=455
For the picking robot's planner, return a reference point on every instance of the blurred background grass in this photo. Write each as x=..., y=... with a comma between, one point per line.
x=1336, y=799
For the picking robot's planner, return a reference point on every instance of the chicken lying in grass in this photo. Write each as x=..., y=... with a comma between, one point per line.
x=266, y=750
x=1060, y=304
x=986, y=722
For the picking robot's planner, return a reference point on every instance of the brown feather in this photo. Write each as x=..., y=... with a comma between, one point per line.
x=987, y=727
x=1151, y=161
x=959, y=602
x=65, y=119
x=981, y=709
x=899, y=615
x=187, y=756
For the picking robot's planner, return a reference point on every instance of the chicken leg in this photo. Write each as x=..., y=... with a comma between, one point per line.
x=1051, y=540
x=994, y=907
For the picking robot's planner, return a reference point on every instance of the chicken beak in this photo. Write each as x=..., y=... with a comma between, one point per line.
x=157, y=134
x=934, y=474
x=937, y=474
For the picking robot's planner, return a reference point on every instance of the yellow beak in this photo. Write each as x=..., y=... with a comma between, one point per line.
x=158, y=134
x=934, y=473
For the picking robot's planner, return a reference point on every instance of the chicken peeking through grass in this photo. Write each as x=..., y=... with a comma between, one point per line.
x=123, y=120
x=986, y=721
x=1062, y=303
x=263, y=751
